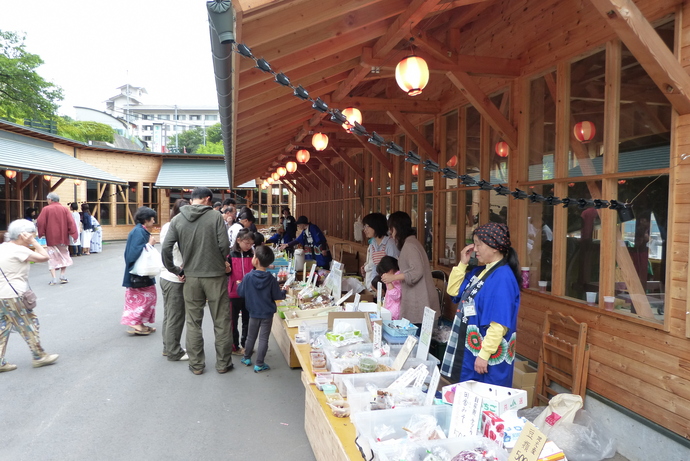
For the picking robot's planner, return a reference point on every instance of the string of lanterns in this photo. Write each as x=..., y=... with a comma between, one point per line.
x=11, y=174
x=412, y=76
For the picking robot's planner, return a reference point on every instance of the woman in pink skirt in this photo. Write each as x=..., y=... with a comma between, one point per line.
x=140, y=293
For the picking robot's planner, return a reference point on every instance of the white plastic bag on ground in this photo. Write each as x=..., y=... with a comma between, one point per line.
x=584, y=439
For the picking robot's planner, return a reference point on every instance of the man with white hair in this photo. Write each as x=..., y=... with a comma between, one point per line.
x=55, y=223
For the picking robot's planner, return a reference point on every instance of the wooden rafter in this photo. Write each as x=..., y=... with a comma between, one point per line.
x=376, y=152
x=329, y=166
x=349, y=162
x=417, y=106
x=644, y=43
x=411, y=131
x=402, y=26
x=483, y=104
x=307, y=178
x=315, y=169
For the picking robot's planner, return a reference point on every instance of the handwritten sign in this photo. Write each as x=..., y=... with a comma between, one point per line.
x=529, y=444
x=425, y=334
x=404, y=353
x=467, y=411
x=433, y=385
x=376, y=328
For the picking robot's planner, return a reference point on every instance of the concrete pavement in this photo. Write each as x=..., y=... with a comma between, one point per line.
x=112, y=396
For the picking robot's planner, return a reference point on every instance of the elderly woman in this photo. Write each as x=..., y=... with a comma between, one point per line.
x=140, y=300
x=418, y=288
x=15, y=258
x=482, y=342
x=380, y=245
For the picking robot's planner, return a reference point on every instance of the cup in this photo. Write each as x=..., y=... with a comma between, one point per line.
x=525, y=277
x=542, y=286
x=591, y=298
x=609, y=302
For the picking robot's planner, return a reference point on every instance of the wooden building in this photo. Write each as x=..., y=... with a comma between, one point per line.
x=509, y=82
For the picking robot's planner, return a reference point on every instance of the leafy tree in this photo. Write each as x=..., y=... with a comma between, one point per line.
x=214, y=133
x=24, y=93
x=189, y=140
x=215, y=148
x=85, y=131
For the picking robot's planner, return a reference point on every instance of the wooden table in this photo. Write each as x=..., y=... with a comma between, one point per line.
x=331, y=438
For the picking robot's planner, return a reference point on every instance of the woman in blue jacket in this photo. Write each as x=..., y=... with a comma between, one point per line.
x=313, y=241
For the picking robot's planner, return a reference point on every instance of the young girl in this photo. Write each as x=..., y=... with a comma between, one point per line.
x=240, y=264
x=389, y=265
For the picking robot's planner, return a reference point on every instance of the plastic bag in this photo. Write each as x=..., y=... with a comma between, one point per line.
x=149, y=263
x=584, y=439
x=561, y=409
x=423, y=427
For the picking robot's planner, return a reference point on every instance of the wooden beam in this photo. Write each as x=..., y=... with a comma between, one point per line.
x=349, y=162
x=402, y=26
x=625, y=18
x=289, y=187
x=376, y=152
x=59, y=182
x=483, y=104
x=329, y=166
x=411, y=131
x=315, y=169
x=330, y=127
x=306, y=177
x=352, y=80
x=418, y=106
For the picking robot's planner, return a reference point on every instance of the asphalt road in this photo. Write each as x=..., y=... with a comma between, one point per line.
x=112, y=396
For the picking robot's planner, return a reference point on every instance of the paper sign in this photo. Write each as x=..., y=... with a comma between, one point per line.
x=312, y=272
x=467, y=411
x=529, y=444
x=356, y=307
x=425, y=335
x=404, y=353
x=342, y=300
x=379, y=303
x=411, y=375
x=376, y=329
x=433, y=385
x=289, y=280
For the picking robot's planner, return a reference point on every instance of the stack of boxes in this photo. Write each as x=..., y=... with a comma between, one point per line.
x=525, y=378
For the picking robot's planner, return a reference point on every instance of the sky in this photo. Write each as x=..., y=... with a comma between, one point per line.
x=90, y=48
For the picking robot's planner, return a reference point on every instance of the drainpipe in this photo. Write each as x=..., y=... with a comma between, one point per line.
x=221, y=16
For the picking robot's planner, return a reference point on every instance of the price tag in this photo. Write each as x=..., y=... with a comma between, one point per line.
x=529, y=445
x=379, y=292
x=342, y=300
x=404, y=353
x=433, y=385
x=356, y=304
x=425, y=334
x=376, y=327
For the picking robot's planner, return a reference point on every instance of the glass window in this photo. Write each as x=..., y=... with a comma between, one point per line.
x=498, y=148
x=428, y=133
x=473, y=121
x=429, y=224
x=540, y=237
x=583, y=243
x=451, y=230
x=542, y=134
x=211, y=117
x=450, y=159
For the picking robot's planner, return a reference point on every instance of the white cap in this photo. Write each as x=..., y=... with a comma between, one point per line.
x=525, y=268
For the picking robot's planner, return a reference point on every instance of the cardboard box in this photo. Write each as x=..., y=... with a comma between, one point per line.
x=498, y=399
x=493, y=427
x=524, y=375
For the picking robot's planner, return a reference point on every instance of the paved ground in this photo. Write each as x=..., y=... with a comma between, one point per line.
x=112, y=396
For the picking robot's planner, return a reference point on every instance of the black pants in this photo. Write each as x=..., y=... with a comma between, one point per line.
x=238, y=307
x=258, y=329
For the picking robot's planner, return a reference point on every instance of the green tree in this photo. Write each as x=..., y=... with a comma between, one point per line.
x=85, y=131
x=189, y=140
x=214, y=133
x=214, y=148
x=24, y=93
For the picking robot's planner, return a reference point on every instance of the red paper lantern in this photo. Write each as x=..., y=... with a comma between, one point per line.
x=291, y=167
x=584, y=131
x=47, y=177
x=453, y=161
x=270, y=180
x=412, y=75
x=275, y=176
x=353, y=115
x=415, y=170
x=319, y=141
x=282, y=171
x=502, y=149
x=303, y=156
x=11, y=174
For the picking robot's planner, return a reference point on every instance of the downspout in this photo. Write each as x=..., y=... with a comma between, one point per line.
x=221, y=16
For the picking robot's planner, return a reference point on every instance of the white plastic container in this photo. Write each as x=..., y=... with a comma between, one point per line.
x=299, y=259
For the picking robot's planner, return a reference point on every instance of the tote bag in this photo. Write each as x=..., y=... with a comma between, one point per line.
x=149, y=262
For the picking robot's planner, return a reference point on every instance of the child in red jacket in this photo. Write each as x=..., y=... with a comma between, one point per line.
x=240, y=264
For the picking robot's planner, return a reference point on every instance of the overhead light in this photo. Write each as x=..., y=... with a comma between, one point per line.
x=275, y=176
x=281, y=171
x=377, y=140
x=413, y=157
x=270, y=180
x=47, y=177
x=319, y=105
x=453, y=161
x=502, y=149
x=291, y=167
x=319, y=141
x=415, y=170
x=10, y=174
x=395, y=149
x=584, y=131
x=353, y=115
x=430, y=165
x=77, y=182
x=303, y=156
x=412, y=75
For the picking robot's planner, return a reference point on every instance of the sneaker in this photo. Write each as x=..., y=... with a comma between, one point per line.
x=64, y=280
x=238, y=351
x=47, y=359
x=195, y=371
x=260, y=368
x=184, y=358
x=7, y=367
x=247, y=362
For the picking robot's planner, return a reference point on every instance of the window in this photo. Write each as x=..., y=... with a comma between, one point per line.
x=181, y=117
x=99, y=197
x=163, y=117
x=195, y=117
x=127, y=203
x=148, y=127
x=211, y=117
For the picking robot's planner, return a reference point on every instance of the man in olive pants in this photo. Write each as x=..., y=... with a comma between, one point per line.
x=202, y=238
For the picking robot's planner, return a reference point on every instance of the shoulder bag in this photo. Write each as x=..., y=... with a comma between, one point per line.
x=28, y=298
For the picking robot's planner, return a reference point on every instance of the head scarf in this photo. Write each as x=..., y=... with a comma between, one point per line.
x=495, y=235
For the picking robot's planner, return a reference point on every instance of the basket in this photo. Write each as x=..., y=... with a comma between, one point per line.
x=399, y=328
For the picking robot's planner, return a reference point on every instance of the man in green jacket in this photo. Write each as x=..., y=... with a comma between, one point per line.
x=202, y=239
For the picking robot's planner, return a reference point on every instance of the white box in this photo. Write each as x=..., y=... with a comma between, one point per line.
x=498, y=399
